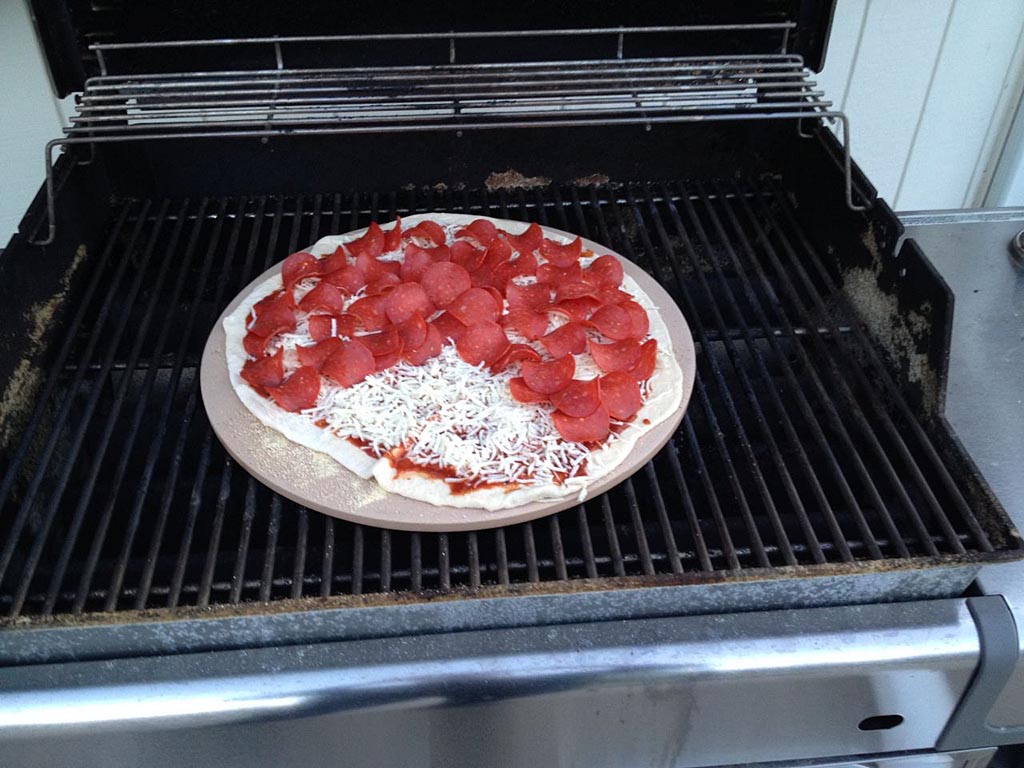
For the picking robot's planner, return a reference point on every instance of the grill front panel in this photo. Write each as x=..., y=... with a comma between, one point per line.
x=797, y=448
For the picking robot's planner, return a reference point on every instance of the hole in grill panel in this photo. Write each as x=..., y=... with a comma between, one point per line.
x=786, y=456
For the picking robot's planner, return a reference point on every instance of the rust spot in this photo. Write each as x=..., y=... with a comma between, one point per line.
x=512, y=179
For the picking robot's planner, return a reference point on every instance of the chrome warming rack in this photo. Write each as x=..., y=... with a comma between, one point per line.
x=276, y=96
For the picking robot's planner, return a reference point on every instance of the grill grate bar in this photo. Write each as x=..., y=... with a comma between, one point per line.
x=62, y=415
x=781, y=536
x=80, y=431
x=839, y=380
x=196, y=499
x=385, y=561
x=327, y=564
x=834, y=419
x=172, y=467
x=820, y=498
x=926, y=444
x=444, y=562
x=206, y=581
x=71, y=535
x=638, y=528
x=357, y=560
x=709, y=414
x=743, y=440
x=502, y=556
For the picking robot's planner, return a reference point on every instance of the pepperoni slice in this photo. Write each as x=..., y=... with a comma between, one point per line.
x=334, y=261
x=444, y=281
x=275, y=317
x=473, y=306
x=299, y=391
x=325, y=326
x=385, y=361
x=297, y=266
x=529, y=240
x=498, y=298
x=569, y=291
x=483, y=342
x=416, y=261
x=639, y=321
x=561, y=255
x=431, y=347
x=326, y=297
x=604, y=271
x=620, y=393
x=482, y=278
x=467, y=255
x=346, y=279
x=255, y=346
x=552, y=275
x=644, y=369
x=570, y=339
x=498, y=253
x=448, y=327
x=481, y=230
x=515, y=354
x=393, y=236
x=265, y=372
x=413, y=331
x=371, y=244
x=551, y=376
x=374, y=268
x=589, y=429
x=614, y=322
x=282, y=297
x=405, y=301
x=439, y=253
x=316, y=354
x=352, y=363
x=579, y=309
x=370, y=311
x=523, y=394
x=531, y=325
x=382, y=342
x=617, y=356
x=524, y=264
x=610, y=295
x=581, y=398
x=428, y=230
x=527, y=296
x=383, y=284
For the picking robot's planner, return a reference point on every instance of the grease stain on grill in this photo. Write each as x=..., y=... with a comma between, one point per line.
x=512, y=179
x=19, y=394
x=900, y=332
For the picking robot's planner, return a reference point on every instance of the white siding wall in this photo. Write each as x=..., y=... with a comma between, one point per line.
x=29, y=114
x=931, y=87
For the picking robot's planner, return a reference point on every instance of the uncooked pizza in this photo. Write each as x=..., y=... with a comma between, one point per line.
x=455, y=361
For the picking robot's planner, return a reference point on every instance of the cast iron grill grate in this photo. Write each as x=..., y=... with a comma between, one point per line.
x=797, y=449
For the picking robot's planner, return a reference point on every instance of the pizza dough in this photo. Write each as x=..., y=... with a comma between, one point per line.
x=664, y=394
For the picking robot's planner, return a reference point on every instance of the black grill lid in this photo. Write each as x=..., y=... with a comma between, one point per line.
x=68, y=27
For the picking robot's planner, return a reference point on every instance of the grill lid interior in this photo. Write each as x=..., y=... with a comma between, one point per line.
x=68, y=27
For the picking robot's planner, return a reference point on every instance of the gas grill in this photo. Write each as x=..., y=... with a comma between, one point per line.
x=804, y=550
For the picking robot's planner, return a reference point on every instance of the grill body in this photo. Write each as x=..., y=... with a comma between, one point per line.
x=797, y=553
x=815, y=448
